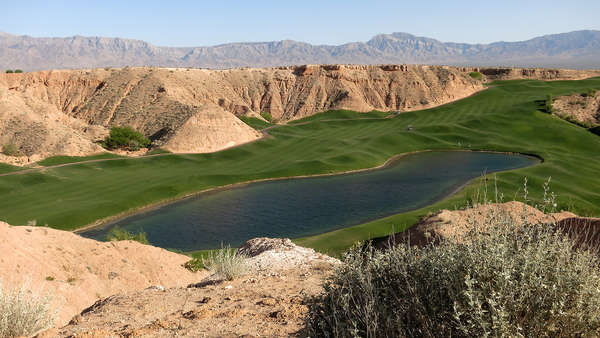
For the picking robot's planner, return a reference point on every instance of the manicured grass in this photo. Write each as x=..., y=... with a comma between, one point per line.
x=157, y=151
x=56, y=160
x=6, y=168
x=254, y=122
x=342, y=115
x=505, y=117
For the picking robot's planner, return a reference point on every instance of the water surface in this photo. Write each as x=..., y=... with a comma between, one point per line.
x=309, y=206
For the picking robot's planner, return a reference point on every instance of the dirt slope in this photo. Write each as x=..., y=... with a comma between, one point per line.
x=266, y=302
x=79, y=271
x=194, y=110
x=584, y=109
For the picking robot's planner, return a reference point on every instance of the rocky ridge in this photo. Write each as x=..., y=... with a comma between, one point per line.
x=579, y=49
x=196, y=110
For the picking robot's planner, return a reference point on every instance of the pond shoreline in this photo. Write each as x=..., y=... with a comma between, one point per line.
x=107, y=221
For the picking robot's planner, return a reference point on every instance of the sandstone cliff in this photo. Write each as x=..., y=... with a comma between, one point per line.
x=194, y=110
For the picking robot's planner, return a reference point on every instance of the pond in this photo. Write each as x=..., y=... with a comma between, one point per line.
x=300, y=207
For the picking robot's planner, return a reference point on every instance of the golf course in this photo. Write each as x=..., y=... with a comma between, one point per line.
x=506, y=117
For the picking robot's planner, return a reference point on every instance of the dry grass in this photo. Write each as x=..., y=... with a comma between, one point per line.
x=23, y=312
x=226, y=263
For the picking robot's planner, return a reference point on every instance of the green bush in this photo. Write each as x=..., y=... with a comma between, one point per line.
x=125, y=138
x=476, y=75
x=120, y=234
x=23, y=312
x=10, y=149
x=267, y=116
x=18, y=71
x=500, y=280
x=9, y=71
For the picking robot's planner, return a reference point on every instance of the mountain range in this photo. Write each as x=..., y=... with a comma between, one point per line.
x=579, y=50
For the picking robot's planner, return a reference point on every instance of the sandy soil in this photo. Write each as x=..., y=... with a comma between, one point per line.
x=78, y=271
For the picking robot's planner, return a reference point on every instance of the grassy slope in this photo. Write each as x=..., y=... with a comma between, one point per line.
x=254, y=122
x=503, y=118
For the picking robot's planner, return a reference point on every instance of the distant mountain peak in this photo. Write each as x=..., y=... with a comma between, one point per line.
x=578, y=49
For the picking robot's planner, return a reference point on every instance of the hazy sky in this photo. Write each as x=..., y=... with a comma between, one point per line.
x=201, y=23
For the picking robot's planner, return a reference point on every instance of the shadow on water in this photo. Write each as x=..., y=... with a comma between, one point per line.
x=309, y=206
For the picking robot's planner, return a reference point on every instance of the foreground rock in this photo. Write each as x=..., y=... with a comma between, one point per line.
x=196, y=110
x=268, y=301
x=78, y=271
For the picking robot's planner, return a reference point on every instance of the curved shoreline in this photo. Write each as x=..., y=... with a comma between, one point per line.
x=107, y=221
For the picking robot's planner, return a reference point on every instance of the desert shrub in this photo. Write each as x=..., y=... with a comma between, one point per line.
x=125, y=138
x=499, y=280
x=548, y=104
x=476, y=75
x=194, y=264
x=23, y=312
x=267, y=116
x=120, y=234
x=10, y=149
x=9, y=71
x=18, y=71
x=226, y=263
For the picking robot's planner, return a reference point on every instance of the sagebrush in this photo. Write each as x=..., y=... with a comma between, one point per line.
x=502, y=278
x=23, y=312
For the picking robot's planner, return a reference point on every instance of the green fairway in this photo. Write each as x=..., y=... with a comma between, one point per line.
x=503, y=118
x=5, y=168
x=57, y=160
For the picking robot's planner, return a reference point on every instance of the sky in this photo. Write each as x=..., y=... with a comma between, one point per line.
x=204, y=23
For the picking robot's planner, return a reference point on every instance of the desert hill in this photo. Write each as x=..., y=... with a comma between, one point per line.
x=579, y=49
x=183, y=110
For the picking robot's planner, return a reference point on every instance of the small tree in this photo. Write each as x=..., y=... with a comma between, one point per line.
x=125, y=137
x=18, y=71
x=9, y=71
